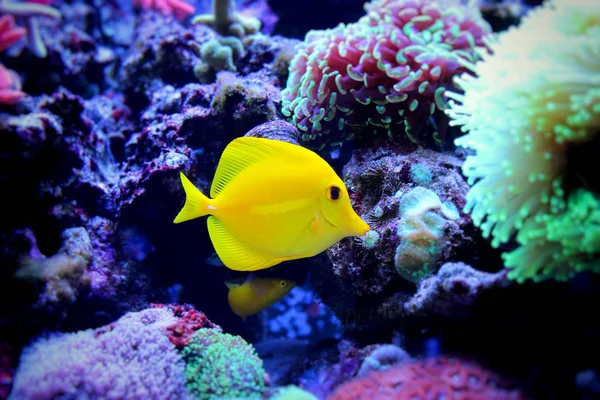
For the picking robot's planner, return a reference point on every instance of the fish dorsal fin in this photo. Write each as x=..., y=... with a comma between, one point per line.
x=236, y=255
x=231, y=285
x=246, y=151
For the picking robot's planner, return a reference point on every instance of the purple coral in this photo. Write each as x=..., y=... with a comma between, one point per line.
x=132, y=358
x=392, y=66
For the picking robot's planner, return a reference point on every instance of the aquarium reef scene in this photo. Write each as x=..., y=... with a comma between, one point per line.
x=300, y=200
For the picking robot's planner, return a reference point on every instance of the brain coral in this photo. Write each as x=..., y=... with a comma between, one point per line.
x=390, y=67
x=532, y=101
x=220, y=366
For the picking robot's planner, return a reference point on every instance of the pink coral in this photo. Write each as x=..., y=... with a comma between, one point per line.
x=189, y=320
x=9, y=33
x=436, y=378
x=180, y=8
x=10, y=86
x=390, y=67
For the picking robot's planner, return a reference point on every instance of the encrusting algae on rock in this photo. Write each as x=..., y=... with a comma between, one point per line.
x=271, y=202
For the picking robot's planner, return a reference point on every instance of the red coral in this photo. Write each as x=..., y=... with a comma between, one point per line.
x=180, y=8
x=436, y=378
x=10, y=86
x=189, y=321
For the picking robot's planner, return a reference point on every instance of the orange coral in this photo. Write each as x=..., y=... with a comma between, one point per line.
x=435, y=378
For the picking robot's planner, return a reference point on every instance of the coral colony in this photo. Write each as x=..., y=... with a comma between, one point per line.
x=464, y=134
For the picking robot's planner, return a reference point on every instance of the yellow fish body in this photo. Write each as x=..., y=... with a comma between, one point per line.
x=256, y=295
x=271, y=202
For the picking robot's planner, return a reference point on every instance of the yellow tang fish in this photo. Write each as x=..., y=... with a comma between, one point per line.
x=255, y=295
x=271, y=202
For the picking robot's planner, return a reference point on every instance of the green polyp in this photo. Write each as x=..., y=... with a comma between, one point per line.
x=380, y=109
x=438, y=25
x=318, y=116
x=437, y=138
x=408, y=134
x=413, y=105
x=422, y=18
x=400, y=59
x=426, y=35
x=454, y=30
x=404, y=83
x=333, y=99
x=338, y=84
x=354, y=76
x=331, y=115
x=397, y=98
x=364, y=102
x=439, y=99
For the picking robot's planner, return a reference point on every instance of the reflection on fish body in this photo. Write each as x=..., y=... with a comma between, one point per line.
x=271, y=202
x=255, y=295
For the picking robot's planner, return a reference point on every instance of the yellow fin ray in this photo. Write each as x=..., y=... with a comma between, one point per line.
x=196, y=204
x=234, y=254
x=246, y=151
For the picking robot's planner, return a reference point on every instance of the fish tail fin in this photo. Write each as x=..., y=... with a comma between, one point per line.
x=196, y=204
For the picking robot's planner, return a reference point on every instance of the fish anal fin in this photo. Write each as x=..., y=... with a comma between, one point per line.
x=236, y=255
x=246, y=151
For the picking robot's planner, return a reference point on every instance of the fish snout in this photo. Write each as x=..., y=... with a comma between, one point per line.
x=359, y=227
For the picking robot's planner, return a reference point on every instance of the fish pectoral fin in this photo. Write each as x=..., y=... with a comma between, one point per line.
x=317, y=223
x=236, y=255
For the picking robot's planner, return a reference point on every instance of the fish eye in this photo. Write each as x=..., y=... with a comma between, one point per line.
x=283, y=283
x=334, y=193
